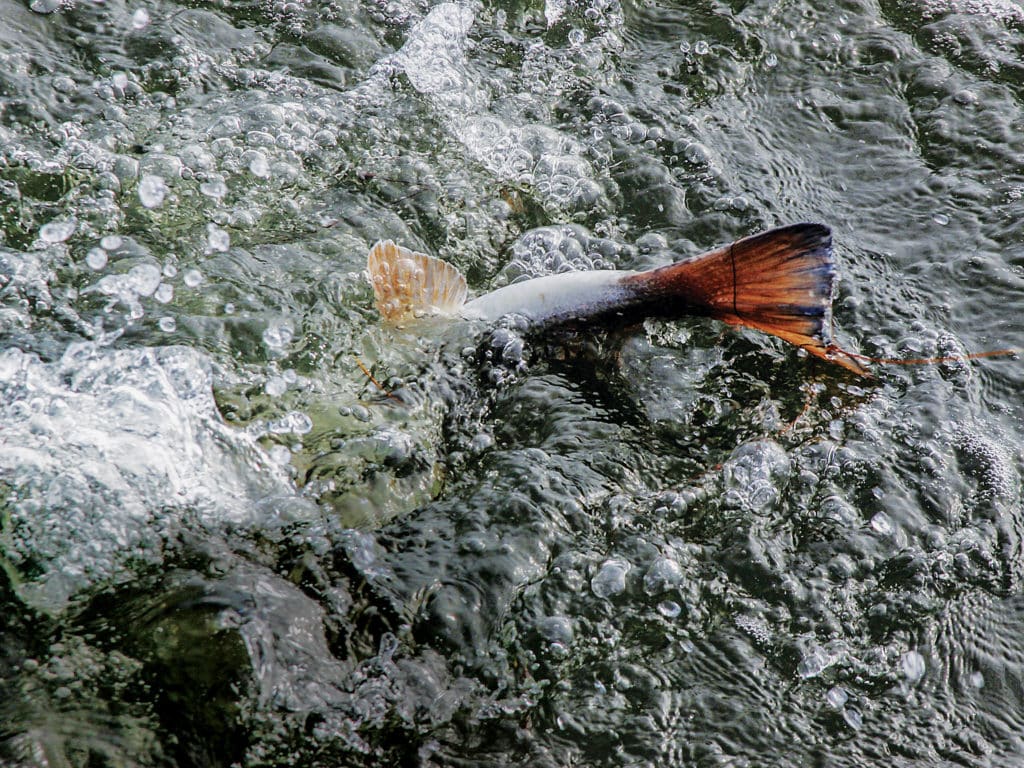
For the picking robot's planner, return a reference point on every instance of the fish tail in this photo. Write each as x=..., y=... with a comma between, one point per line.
x=407, y=284
x=779, y=282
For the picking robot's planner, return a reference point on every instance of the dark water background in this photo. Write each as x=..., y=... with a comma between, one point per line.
x=680, y=545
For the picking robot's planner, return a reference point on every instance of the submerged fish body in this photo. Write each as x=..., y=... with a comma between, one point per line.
x=779, y=282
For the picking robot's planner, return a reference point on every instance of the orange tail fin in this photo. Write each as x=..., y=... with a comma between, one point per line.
x=779, y=282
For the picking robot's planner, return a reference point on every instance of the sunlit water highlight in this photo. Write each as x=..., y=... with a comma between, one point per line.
x=223, y=544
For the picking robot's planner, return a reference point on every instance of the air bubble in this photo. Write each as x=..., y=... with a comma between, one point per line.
x=280, y=454
x=217, y=239
x=913, y=666
x=167, y=324
x=277, y=337
x=193, y=278
x=111, y=242
x=96, y=258
x=214, y=188
x=610, y=579
x=140, y=19
x=275, y=386
x=837, y=697
x=58, y=230
x=152, y=191
x=164, y=293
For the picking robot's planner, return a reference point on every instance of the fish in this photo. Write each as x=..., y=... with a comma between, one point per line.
x=780, y=282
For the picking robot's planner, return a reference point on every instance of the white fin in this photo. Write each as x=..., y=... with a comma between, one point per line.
x=407, y=284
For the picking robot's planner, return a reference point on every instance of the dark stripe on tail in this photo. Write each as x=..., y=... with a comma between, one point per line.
x=779, y=282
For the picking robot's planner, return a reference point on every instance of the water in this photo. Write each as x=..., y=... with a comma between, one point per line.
x=222, y=544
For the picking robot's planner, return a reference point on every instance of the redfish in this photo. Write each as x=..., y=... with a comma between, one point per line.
x=780, y=282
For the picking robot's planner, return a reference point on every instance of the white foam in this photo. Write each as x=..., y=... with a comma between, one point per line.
x=108, y=453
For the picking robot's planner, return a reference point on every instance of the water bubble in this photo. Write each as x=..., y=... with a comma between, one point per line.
x=556, y=629
x=275, y=386
x=58, y=230
x=771, y=60
x=293, y=422
x=611, y=578
x=120, y=80
x=193, y=278
x=837, y=697
x=164, y=293
x=229, y=308
x=702, y=48
x=684, y=47
x=144, y=279
x=853, y=718
x=167, y=324
x=882, y=523
x=258, y=164
x=170, y=270
x=663, y=574
x=814, y=663
x=96, y=258
x=152, y=191
x=977, y=680
x=111, y=242
x=44, y=6
x=217, y=239
x=277, y=336
x=941, y=219
x=214, y=188
x=280, y=454
x=140, y=18
x=669, y=609
x=913, y=666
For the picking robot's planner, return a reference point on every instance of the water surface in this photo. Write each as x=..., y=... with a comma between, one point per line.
x=679, y=544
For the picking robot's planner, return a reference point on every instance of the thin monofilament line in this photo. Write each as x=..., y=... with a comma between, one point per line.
x=833, y=349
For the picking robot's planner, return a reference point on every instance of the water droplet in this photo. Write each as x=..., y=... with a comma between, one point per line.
x=258, y=165
x=664, y=574
x=611, y=578
x=913, y=666
x=669, y=609
x=837, y=697
x=217, y=238
x=881, y=523
x=556, y=629
x=275, y=386
x=193, y=278
x=167, y=324
x=44, y=6
x=214, y=188
x=96, y=258
x=143, y=279
x=152, y=191
x=277, y=336
x=58, y=230
x=280, y=454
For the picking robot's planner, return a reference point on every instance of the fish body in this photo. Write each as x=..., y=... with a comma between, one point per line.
x=569, y=297
x=779, y=282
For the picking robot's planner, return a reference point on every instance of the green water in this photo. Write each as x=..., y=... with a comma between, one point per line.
x=677, y=544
